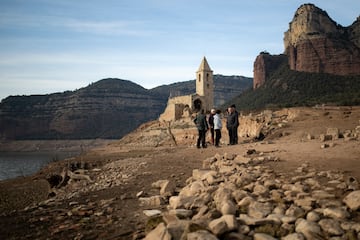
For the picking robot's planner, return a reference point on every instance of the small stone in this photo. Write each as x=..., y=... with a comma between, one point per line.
x=324, y=146
x=228, y=207
x=201, y=235
x=331, y=226
x=310, y=230
x=259, y=210
x=337, y=213
x=250, y=151
x=73, y=203
x=312, y=216
x=295, y=211
x=352, y=183
x=181, y=213
x=293, y=236
x=169, y=218
x=288, y=219
x=153, y=201
x=152, y=213
x=140, y=194
x=263, y=236
x=160, y=232
x=245, y=219
x=320, y=194
x=242, y=160
x=275, y=217
x=352, y=200
x=333, y=132
x=324, y=137
x=218, y=226
x=309, y=136
x=260, y=190
x=305, y=203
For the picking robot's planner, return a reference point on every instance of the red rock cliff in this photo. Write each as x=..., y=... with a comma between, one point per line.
x=265, y=64
x=316, y=43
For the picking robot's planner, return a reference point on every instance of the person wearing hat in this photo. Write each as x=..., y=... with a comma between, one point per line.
x=211, y=124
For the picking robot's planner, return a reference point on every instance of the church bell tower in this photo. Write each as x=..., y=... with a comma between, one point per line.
x=205, y=85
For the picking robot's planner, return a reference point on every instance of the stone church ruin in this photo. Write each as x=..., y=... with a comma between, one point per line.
x=183, y=106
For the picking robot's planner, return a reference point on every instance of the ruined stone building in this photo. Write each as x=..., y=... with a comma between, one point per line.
x=183, y=106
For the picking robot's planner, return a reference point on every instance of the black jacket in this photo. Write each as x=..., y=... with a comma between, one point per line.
x=232, y=120
x=201, y=122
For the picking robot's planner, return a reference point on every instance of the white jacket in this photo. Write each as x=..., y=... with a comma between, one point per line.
x=217, y=122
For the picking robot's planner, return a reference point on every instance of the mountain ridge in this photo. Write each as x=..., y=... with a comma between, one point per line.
x=108, y=108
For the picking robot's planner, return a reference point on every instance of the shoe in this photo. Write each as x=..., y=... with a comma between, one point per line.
x=198, y=146
x=204, y=146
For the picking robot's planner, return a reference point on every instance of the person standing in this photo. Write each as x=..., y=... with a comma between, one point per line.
x=229, y=123
x=211, y=125
x=236, y=126
x=217, y=127
x=232, y=123
x=202, y=126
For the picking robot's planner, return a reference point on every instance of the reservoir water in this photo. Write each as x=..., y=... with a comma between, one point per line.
x=15, y=164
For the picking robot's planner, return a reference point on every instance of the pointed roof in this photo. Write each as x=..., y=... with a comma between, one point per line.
x=204, y=66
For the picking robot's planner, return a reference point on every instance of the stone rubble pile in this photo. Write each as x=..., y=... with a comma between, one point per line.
x=112, y=174
x=265, y=123
x=87, y=219
x=334, y=134
x=240, y=197
x=73, y=221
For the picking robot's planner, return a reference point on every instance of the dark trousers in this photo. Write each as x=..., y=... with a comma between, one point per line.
x=217, y=136
x=201, y=138
x=233, y=136
x=212, y=135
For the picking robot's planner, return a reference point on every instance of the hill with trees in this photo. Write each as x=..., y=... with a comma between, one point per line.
x=289, y=88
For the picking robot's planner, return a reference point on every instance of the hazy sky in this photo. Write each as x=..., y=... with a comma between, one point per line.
x=56, y=45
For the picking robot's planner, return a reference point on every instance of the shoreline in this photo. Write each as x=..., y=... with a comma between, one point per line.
x=81, y=145
x=22, y=158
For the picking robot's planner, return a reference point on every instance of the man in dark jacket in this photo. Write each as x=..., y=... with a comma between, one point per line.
x=202, y=127
x=232, y=124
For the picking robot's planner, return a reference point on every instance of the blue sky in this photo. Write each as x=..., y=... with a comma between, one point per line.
x=51, y=46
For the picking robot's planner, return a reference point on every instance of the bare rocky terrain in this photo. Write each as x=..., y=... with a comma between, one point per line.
x=102, y=194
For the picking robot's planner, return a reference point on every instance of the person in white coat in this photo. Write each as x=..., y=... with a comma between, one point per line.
x=217, y=127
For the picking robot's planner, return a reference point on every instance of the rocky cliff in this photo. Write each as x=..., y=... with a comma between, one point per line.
x=264, y=65
x=109, y=108
x=314, y=43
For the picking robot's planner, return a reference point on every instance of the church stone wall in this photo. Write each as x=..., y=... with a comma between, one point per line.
x=175, y=107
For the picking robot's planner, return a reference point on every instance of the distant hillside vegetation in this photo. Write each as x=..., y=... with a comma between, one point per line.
x=287, y=88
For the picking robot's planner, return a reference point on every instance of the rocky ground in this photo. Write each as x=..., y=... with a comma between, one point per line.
x=295, y=182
